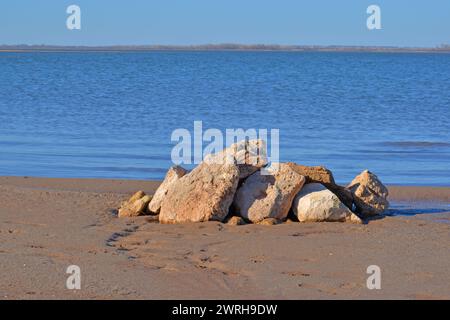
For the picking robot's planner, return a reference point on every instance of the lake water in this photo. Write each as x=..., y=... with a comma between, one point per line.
x=111, y=115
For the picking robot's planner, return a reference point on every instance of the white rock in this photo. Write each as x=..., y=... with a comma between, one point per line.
x=316, y=203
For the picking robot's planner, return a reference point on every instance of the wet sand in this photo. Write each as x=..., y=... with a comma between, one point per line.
x=48, y=224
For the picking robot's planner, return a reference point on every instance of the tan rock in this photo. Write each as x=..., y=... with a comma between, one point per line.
x=141, y=204
x=138, y=195
x=316, y=174
x=315, y=203
x=205, y=193
x=135, y=206
x=172, y=176
x=269, y=222
x=324, y=176
x=236, y=221
x=248, y=155
x=126, y=212
x=369, y=194
x=268, y=196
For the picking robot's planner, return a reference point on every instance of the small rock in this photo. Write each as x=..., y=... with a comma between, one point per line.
x=135, y=206
x=290, y=221
x=315, y=203
x=138, y=195
x=236, y=221
x=269, y=222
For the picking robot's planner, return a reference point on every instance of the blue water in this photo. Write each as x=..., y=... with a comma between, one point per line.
x=111, y=115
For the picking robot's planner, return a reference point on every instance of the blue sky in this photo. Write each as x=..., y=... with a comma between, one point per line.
x=320, y=22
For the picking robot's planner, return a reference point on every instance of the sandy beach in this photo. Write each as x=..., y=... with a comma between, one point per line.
x=48, y=224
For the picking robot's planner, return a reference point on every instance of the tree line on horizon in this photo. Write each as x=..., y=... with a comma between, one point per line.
x=225, y=46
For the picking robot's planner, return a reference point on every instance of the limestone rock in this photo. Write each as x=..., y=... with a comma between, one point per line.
x=203, y=194
x=135, y=206
x=269, y=222
x=369, y=194
x=316, y=174
x=248, y=155
x=268, y=196
x=324, y=176
x=138, y=195
x=172, y=176
x=316, y=203
x=236, y=221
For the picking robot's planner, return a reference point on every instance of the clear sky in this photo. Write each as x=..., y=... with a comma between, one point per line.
x=308, y=22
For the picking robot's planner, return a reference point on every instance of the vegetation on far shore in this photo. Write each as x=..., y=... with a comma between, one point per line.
x=223, y=47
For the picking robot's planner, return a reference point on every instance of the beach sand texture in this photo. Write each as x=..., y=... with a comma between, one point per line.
x=48, y=224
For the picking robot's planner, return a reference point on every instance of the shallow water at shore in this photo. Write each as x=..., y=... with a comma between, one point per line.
x=111, y=115
x=408, y=208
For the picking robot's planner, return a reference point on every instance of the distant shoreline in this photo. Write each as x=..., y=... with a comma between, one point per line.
x=222, y=47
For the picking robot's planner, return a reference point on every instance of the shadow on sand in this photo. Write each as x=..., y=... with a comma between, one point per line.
x=408, y=211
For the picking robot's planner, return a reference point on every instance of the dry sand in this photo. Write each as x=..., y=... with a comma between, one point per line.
x=48, y=224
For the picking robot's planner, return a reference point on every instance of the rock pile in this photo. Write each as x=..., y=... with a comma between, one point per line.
x=231, y=186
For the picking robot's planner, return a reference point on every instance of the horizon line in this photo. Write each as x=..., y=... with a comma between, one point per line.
x=223, y=46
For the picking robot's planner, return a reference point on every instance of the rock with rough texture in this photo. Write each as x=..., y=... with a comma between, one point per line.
x=369, y=194
x=315, y=203
x=325, y=177
x=316, y=174
x=138, y=195
x=135, y=206
x=172, y=176
x=268, y=196
x=248, y=155
x=269, y=222
x=204, y=194
x=236, y=221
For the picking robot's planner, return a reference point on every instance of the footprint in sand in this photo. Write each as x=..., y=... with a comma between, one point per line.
x=296, y=273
